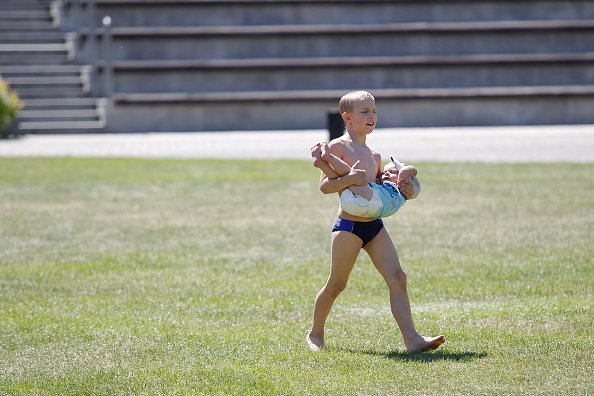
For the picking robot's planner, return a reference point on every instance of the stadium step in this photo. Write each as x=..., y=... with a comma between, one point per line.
x=307, y=109
x=285, y=41
x=62, y=115
x=353, y=72
x=287, y=12
x=37, y=59
x=26, y=37
x=61, y=126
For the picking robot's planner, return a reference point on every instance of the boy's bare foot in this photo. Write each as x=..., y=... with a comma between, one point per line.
x=316, y=344
x=316, y=155
x=423, y=344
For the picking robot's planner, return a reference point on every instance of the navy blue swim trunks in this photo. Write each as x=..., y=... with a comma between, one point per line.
x=366, y=230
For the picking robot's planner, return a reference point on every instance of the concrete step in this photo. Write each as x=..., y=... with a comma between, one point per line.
x=23, y=6
x=50, y=90
x=29, y=37
x=352, y=40
x=221, y=13
x=353, y=73
x=85, y=103
x=23, y=3
x=12, y=71
x=44, y=81
x=62, y=115
x=32, y=59
x=307, y=109
x=58, y=115
x=32, y=47
x=26, y=24
x=36, y=53
x=61, y=126
x=24, y=14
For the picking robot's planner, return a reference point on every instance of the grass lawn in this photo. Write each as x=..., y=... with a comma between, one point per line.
x=198, y=277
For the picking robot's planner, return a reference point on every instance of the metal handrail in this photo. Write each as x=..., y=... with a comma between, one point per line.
x=107, y=65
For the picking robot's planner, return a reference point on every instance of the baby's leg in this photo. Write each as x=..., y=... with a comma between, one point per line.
x=345, y=249
x=407, y=171
x=384, y=257
x=342, y=168
x=318, y=162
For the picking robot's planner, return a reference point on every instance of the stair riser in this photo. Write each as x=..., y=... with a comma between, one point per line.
x=32, y=60
x=29, y=90
x=311, y=114
x=352, y=77
x=25, y=25
x=381, y=44
x=59, y=107
x=49, y=40
x=51, y=93
x=40, y=73
x=51, y=119
x=165, y=14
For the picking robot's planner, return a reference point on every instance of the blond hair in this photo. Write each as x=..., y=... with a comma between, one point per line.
x=348, y=100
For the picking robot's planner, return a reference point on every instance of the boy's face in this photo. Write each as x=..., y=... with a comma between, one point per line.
x=363, y=118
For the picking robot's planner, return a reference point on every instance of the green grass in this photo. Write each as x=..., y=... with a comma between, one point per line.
x=198, y=277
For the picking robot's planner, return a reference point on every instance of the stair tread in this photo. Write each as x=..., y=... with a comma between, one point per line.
x=44, y=69
x=51, y=125
x=347, y=61
x=26, y=47
x=62, y=102
x=332, y=94
x=352, y=28
x=52, y=80
x=58, y=113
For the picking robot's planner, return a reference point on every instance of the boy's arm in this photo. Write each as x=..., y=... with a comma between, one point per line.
x=356, y=177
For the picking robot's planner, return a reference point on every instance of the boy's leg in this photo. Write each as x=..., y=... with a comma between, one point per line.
x=345, y=249
x=385, y=258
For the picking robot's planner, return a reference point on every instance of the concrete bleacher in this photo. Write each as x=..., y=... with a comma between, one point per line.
x=191, y=65
x=38, y=59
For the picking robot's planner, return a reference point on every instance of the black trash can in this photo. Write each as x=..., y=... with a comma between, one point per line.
x=335, y=124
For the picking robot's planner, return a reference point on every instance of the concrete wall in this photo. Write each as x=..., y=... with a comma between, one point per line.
x=493, y=62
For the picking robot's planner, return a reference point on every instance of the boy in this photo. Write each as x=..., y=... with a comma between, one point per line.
x=350, y=233
x=379, y=199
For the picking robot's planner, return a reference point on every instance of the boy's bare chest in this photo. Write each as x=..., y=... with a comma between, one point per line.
x=365, y=158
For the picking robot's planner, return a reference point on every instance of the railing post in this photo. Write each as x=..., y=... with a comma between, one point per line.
x=91, y=42
x=107, y=66
x=74, y=15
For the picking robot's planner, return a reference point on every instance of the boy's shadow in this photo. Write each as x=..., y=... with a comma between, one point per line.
x=426, y=357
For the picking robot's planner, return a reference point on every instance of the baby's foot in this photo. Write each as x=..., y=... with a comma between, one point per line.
x=423, y=344
x=316, y=344
x=325, y=150
x=316, y=155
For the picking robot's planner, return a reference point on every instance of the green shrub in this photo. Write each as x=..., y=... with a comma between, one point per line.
x=10, y=104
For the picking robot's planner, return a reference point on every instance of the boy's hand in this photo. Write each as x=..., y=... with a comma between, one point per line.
x=406, y=188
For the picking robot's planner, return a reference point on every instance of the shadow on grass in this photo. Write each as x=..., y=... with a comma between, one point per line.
x=428, y=357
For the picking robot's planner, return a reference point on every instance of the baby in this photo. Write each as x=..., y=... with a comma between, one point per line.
x=374, y=200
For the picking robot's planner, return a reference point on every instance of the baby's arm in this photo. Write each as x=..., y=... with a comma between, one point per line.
x=330, y=185
x=335, y=167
